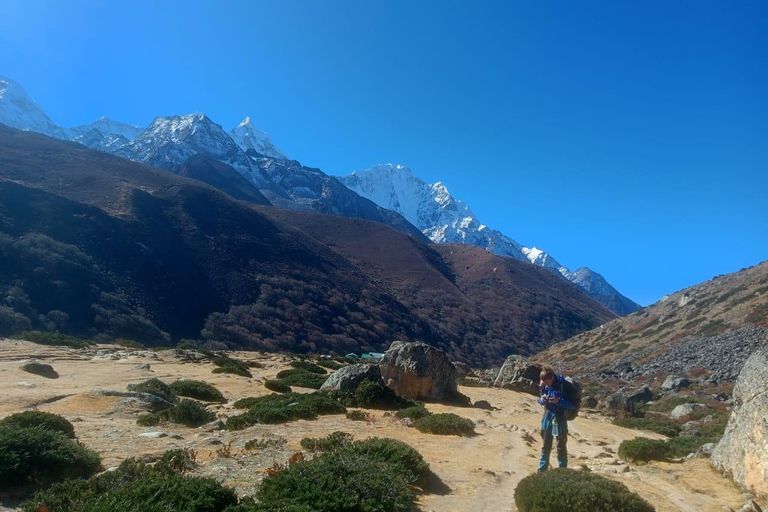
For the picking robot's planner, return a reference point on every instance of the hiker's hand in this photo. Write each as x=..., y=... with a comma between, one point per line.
x=554, y=399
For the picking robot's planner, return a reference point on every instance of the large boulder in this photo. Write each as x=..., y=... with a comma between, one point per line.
x=349, y=377
x=42, y=369
x=519, y=374
x=683, y=410
x=419, y=371
x=619, y=403
x=642, y=395
x=675, y=383
x=742, y=453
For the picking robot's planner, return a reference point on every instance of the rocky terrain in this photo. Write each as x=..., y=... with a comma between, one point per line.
x=712, y=326
x=476, y=473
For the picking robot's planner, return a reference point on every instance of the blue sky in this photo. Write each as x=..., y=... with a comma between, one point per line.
x=630, y=137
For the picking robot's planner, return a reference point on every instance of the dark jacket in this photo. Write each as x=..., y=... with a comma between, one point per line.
x=556, y=389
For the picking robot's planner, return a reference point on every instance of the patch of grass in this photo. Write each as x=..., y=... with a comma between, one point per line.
x=358, y=416
x=137, y=487
x=472, y=383
x=35, y=457
x=660, y=426
x=406, y=459
x=330, y=443
x=228, y=364
x=277, y=386
x=274, y=443
x=309, y=367
x=197, y=389
x=331, y=365
x=445, y=424
x=53, y=338
x=301, y=378
x=176, y=461
x=154, y=387
x=373, y=395
x=416, y=412
x=274, y=408
x=185, y=412
x=642, y=449
x=47, y=420
x=581, y=490
x=666, y=404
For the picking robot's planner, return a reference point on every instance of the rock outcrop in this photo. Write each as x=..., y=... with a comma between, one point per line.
x=742, y=453
x=419, y=371
x=41, y=369
x=519, y=374
x=349, y=377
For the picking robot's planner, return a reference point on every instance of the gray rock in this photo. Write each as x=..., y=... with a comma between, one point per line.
x=683, y=410
x=215, y=425
x=675, y=383
x=619, y=402
x=519, y=374
x=349, y=377
x=642, y=395
x=590, y=402
x=419, y=371
x=142, y=366
x=463, y=370
x=485, y=404
x=705, y=450
x=41, y=369
x=742, y=453
x=153, y=435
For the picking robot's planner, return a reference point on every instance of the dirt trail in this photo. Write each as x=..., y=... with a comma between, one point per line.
x=477, y=473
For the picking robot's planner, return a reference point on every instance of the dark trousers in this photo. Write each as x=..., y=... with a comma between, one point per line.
x=554, y=429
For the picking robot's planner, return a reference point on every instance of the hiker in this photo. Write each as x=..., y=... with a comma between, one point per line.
x=554, y=396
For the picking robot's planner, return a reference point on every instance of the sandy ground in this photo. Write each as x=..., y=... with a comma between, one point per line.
x=477, y=473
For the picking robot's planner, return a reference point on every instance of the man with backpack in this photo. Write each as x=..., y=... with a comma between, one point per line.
x=561, y=400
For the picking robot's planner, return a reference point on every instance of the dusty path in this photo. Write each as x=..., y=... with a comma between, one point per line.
x=478, y=473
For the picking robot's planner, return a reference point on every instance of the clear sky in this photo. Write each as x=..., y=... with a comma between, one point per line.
x=627, y=136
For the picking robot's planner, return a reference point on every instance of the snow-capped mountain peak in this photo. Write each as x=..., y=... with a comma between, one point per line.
x=104, y=134
x=18, y=110
x=248, y=136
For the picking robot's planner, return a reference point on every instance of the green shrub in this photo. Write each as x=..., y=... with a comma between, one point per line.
x=228, y=364
x=666, y=404
x=274, y=408
x=416, y=412
x=34, y=457
x=309, y=367
x=402, y=456
x=660, y=426
x=643, y=449
x=274, y=443
x=197, y=389
x=330, y=443
x=357, y=416
x=53, y=338
x=348, y=360
x=301, y=378
x=149, y=420
x=277, y=385
x=331, y=365
x=190, y=413
x=135, y=487
x=339, y=481
x=154, y=387
x=473, y=383
x=445, y=424
x=373, y=395
x=42, y=419
x=559, y=490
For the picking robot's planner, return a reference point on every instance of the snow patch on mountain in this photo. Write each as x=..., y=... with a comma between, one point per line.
x=104, y=134
x=18, y=110
x=248, y=136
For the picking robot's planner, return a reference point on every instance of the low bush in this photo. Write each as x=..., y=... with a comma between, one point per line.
x=402, y=456
x=35, y=457
x=348, y=360
x=274, y=408
x=331, y=365
x=581, y=490
x=175, y=461
x=190, y=413
x=309, y=367
x=197, y=389
x=473, y=383
x=642, y=449
x=40, y=419
x=373, y=395
x=330, y=443
x=154, y=387
x=228, y=364
x=339, y=481
x=135, y=486
x=301, y=378
x=357, y=416
x=274, y=443
x=416, y=412
x=666, y=404
x=660, y=426
x=53, y=338
x=445, y=424
x=149, y=420
x=277, y=385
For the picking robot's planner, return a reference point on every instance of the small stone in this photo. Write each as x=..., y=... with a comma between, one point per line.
x=153, y=435
x=176, y=436
x=25, y=384
x=484, y=404
x=215, y=425
x=142, y=366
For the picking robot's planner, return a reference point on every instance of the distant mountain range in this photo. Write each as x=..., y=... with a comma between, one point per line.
x=245, y=163
x=96, y=245
x=445, y=219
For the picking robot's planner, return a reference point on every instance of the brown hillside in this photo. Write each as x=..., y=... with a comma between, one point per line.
x=693, y=316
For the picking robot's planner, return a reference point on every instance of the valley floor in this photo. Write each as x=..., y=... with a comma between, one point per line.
x=477, y=473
